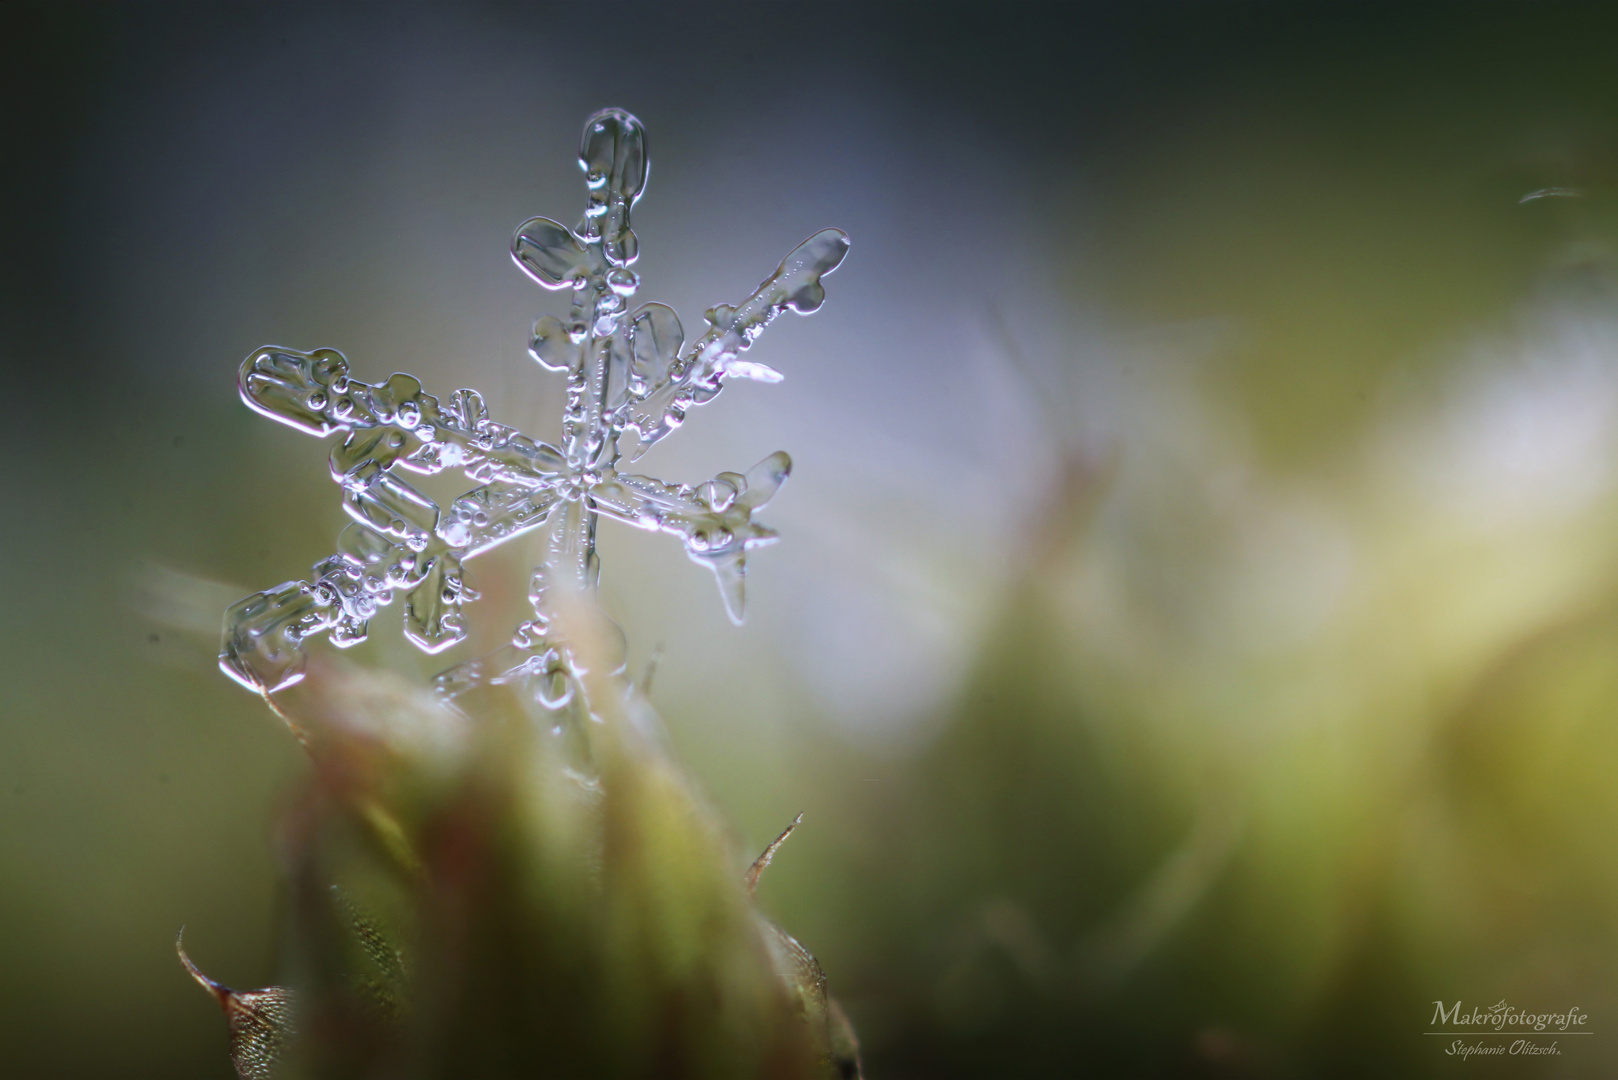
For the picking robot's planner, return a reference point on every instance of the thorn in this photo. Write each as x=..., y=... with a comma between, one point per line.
x=763, y=861
x=220, y=992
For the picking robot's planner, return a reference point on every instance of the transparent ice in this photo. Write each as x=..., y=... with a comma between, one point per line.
x=631, y=379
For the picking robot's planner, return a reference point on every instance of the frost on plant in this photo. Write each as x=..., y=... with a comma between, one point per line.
x=631, y=379
x=471, y=893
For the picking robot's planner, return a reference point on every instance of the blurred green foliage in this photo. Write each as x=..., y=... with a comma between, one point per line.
x=505, y=890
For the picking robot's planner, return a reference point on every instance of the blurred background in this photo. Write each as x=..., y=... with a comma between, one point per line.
x=1194, y=638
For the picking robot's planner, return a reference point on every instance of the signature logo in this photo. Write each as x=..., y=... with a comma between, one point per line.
x=1502, y=1016
x=1502, y=1019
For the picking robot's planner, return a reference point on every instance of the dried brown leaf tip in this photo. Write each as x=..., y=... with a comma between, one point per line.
x=762, y=863
x=805, y=981
x=260, y=1021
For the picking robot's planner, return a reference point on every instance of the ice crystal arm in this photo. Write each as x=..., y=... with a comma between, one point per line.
x=313, y=393
x=695, y=378
x=715, y=519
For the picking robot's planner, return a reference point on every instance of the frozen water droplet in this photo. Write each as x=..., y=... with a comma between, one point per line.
x=550, y=254
x=552, y=346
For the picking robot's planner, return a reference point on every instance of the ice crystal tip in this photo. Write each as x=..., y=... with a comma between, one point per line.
x=631, y=380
